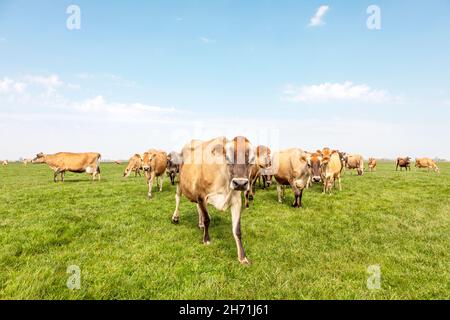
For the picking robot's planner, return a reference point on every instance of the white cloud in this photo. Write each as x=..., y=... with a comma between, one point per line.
x=125, y=111
x=207, y=40
x=9, y=86
x=113, y=78
x=327, y=92
x=317, y=19
x=49, y=83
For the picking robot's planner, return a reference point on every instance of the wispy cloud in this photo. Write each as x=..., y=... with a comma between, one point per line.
x=328, y=92
x=207, y=40
x=9, y=86
x=317, y=19
x=113, y=78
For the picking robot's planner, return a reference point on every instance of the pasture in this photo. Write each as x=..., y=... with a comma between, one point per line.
x=127, y=247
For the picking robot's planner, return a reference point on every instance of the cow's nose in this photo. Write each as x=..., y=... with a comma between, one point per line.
x=239, y=183
x=146, y=168
x=316, y=179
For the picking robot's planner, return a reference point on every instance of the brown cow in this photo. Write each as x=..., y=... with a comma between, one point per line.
x=403, y=163
x=331, y=168
x=426, y=163
x=372, y=164
x=291, y=168
x=154, y=165
x=355, y=161
x=262, y=162
x=134, y=164
x=5, y=162
x=216, y=172
x=72, y=162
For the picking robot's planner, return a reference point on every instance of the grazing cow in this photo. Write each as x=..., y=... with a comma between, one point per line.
x=72, y=162
x=154, y=165
x=174, y=161
x=355, y=161
x=403, y=163
x=266, y=178
x=426, y=163
x=372, y=164
x=5, y=162
x=262, y=162
x=216, y=172
x=291, y=168
x=25, y=162
x=331, y=168
x=134, y=164
x=118, y=162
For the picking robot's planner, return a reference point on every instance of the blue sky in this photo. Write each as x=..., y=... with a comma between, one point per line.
x=158, y=73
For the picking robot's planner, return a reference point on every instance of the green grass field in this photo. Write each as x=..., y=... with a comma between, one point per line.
x=127, y=247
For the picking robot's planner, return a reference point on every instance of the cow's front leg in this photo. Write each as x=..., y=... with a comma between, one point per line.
x=150, y=184
x=206, y=220
x=236, y=204
x=279, y=191
x=176, y=213
x=62, y=176
x=246, y=197
x=297, y=194
x=55, y=174
x=161, y=181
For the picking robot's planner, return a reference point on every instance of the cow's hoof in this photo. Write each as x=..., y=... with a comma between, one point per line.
x=201, y=226
x=207, y=243
x=175, y=220
x=245, y=261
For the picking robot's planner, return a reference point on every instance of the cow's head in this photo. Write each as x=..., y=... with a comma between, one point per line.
x=239, y=157
x=147, y=160
x=263, y=159
x=316, y=163
x=40, y=158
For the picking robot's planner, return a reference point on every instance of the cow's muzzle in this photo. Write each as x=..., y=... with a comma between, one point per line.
x=146, y=168
x=239, y=184
x=316, y=179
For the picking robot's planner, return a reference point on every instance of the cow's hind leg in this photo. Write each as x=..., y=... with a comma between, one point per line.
x=279, y=191
x=201, y=223
x=206, y=220
x=176, y=213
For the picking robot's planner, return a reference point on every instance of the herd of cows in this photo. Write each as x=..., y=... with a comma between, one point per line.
x=217, y=171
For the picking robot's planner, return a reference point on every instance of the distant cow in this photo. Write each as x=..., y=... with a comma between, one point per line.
x=355, y=161
x=426, y=163
x=331, y=171
x=72, y=162
x=372, y=164
x=154, y=165
x=134, y=165
x=291, y=168
x=403, y=163
x=174, y=161
x=5, y=162
x=262, y=162
x=117, y=162
x=216, y=172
